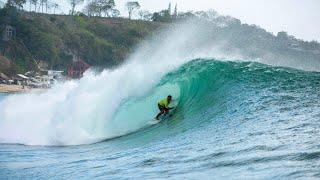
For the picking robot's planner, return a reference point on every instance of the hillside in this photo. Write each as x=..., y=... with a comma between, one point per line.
x=54, y=40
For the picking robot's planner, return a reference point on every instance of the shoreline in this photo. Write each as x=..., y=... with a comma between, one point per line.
x=5, y=88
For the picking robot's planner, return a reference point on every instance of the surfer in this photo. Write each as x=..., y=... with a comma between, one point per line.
x=163, y=106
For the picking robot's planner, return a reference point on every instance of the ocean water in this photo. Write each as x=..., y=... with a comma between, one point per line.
x=234, y=120
x=234, y=117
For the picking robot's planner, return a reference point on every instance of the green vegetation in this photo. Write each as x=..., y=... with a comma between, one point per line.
x=56, y=39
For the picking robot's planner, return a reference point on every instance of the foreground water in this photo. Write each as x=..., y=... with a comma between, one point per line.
x=233, y=120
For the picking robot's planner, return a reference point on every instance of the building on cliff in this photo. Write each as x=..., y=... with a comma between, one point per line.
x=77, y=68
x=8, y=33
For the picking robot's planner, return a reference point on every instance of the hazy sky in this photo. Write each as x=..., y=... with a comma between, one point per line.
x=300, y=18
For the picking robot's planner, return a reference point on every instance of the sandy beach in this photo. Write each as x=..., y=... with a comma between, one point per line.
x=4, y=88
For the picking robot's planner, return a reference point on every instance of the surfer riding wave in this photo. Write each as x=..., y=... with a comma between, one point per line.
x=163, y=106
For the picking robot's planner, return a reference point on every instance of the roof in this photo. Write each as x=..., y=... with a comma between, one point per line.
x=56, y=71
x=22, y=76
x=3, y=76
x=79, y=65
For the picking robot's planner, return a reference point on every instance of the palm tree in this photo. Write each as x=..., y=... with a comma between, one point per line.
x=55, y=6
x=42, y=3
x=30, y=4
x=46, y=3
x=35, y=2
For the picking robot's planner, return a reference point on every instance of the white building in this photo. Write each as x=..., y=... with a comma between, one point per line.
x=55, y=74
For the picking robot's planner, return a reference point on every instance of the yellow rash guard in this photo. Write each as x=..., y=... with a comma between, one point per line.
x=164, y=103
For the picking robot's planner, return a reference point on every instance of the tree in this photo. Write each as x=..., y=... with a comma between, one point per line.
x=162, y=16
x=46, y=4
x=132, y=6
x=42, y=3
x=16, y=3
x=55, y=6
x=73, y=4
x=30, y=4
x=169, y=8
x=186, y=15
x=175, y=13
x=156, y=16
x=107, y=7
x=91, y=9
x=145, y=15
x=97, y=7
x=115, y=13
x=282, y=35
x=35, y=2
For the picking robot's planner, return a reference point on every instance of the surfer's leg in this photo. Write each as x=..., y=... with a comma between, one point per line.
x=160, y=113
x=166, y=111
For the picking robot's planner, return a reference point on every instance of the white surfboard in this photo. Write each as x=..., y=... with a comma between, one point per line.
x=154, y=121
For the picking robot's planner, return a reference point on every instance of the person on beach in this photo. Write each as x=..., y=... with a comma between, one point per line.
x=163, y=106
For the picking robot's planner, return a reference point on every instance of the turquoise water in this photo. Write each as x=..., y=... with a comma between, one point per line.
x=233, y=120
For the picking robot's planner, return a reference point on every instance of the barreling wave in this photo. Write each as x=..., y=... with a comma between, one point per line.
x=204, y=91
x=207, y=91
x=211, y=90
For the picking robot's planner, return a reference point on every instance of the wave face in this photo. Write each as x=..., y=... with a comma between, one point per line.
x=123, y=100
x=211, y=90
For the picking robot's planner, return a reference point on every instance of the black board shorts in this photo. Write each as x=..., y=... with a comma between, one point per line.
x=161, y=107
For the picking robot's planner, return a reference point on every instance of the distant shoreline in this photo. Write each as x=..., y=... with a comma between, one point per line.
x=4, y=88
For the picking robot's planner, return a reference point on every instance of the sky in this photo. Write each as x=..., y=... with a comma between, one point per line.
x=300, y=18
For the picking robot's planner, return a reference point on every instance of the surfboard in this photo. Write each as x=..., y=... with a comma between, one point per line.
x=162, y=117
x=154, y=121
